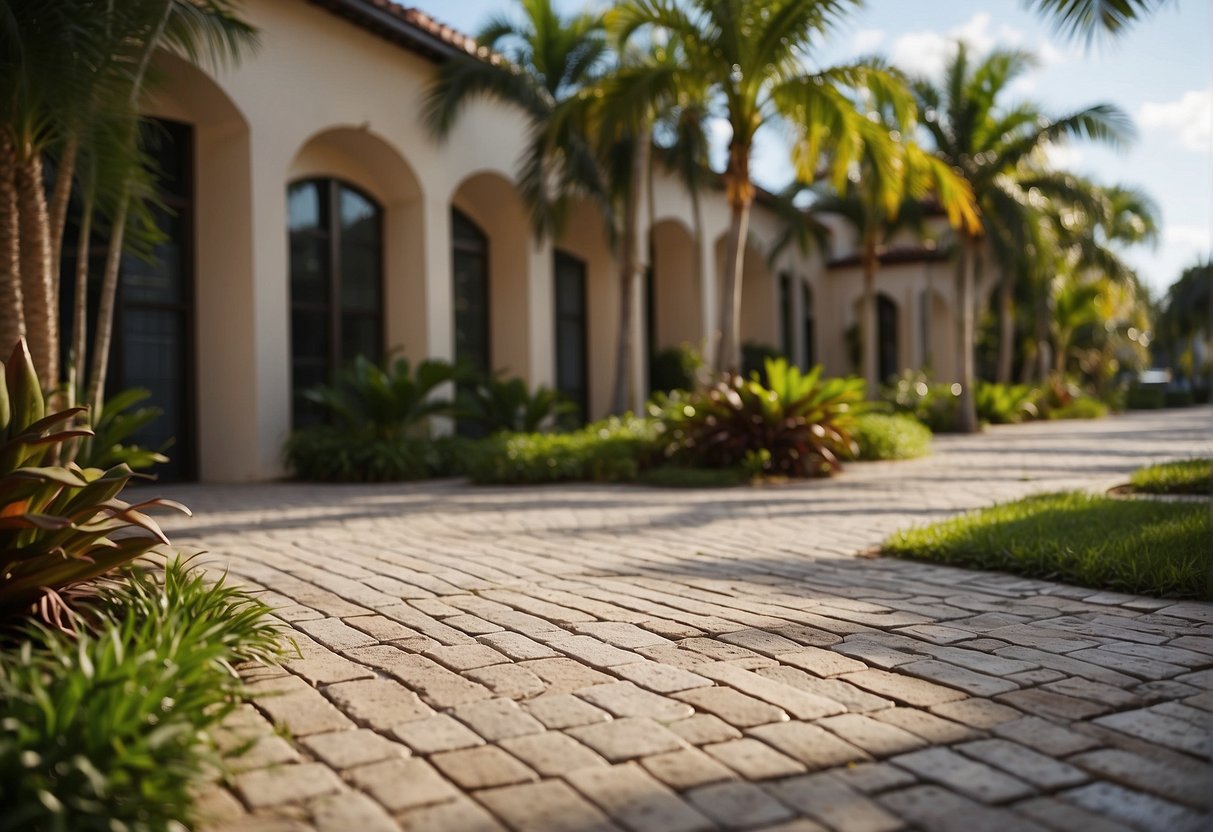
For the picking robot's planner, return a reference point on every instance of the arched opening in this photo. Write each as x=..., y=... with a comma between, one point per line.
x=676, y=294
x=490, y=259
x=336, y=283
x=184, y=326
x=888, y=361
x=369, y=168
x=584, y=239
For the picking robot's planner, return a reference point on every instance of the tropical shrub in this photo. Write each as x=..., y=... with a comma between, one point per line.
x=108, y=728
x=59, y=524
x=385, y=402
x=934, y=404
x=121, y=418
x=327, y=454
x=613, y=450
x=891, y=436
x=678, y=476
x=1005, y=404
x=495, y=405
x=797, y=424
x=1146, y=396
x=676, y=368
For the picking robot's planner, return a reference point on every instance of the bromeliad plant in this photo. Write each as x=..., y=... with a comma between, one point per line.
x=60, y=524
x=796, y=424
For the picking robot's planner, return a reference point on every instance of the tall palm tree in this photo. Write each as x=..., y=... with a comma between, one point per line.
x=991, y=145
x=1088, y=18
x=753, y=57
x=537, y=62
x=67, y=65
x=204, y=31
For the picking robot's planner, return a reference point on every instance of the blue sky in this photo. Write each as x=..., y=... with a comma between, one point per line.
x=1160, y=73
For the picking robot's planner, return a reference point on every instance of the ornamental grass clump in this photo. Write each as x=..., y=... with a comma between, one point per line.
x=110, y=727
x=793, y=425
x=60, y=524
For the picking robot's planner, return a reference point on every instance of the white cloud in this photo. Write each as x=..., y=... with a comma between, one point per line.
x=867, y=40
x=1198, y=238
x=927, y=52
x=1189, y=119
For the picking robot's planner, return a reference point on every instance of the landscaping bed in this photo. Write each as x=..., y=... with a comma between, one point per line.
x=1187, y=476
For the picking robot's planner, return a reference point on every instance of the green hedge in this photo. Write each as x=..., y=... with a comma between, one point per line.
x=613, y=450
x=891, y=436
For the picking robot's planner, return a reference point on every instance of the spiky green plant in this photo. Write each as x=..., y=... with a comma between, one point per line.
x=59, y=524
x=798, y=424
x=109, y=728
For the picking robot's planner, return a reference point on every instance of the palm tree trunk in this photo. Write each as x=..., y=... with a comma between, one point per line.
x=701, y=283
x=12, y=309
x=60, y=198
x=1006, y=325
x=37, y=285
x=868, y=324
x=1042, y=327
x=104, y=334
x=966, y=407
x=740, y=194
x=75, y=370
x=626, y=392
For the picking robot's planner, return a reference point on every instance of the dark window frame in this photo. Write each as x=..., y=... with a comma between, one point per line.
x=481, y=248
x=328, y=229
x=583, y=401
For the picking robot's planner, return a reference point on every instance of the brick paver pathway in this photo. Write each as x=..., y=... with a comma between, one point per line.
x=593, y=658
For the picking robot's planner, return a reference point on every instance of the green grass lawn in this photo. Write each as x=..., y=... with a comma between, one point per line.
x=1141, y=546
x=1187, y=476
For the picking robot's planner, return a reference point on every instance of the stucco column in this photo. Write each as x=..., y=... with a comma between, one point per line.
x=271, y=359
x=439, y=305
x=541, y=340
x=225, y=301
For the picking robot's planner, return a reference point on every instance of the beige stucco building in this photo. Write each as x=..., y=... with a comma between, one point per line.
x=317, y=218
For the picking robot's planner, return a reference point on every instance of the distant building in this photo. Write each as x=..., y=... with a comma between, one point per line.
x=316, y=218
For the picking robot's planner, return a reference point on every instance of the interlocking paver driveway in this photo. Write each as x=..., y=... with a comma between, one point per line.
x=591, y=657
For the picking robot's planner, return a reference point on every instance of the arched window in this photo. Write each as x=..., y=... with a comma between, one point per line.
x=336, y=269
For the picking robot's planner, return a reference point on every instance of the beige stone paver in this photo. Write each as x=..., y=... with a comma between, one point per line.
x=599, y=657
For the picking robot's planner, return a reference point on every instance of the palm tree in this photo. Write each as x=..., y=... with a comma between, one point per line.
x=541, y=64
x=753, y=58
x=69, y=66
x=878, y=205
x=534, y=64
x=992, y=146
x=202, y=31
x=1088, y=18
